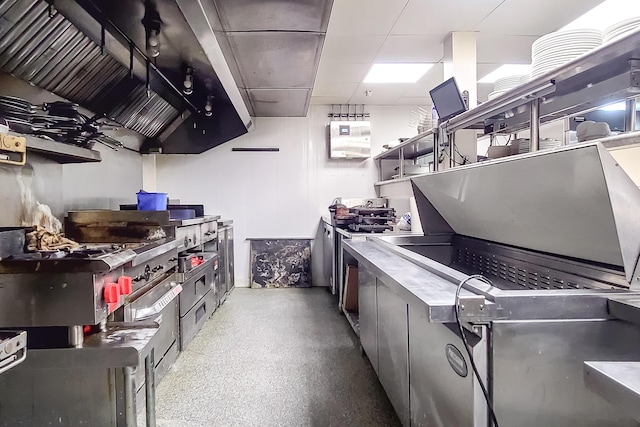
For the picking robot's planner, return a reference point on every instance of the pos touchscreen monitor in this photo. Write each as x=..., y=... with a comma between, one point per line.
x=447, y=99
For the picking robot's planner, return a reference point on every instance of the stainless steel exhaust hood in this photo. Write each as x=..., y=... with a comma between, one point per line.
x=247, y=58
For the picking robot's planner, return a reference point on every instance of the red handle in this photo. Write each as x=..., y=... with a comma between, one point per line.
x=111, y=293
x=125, y=285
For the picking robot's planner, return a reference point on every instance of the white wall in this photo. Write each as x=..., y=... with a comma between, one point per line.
x=276, y=194
x=105, y=185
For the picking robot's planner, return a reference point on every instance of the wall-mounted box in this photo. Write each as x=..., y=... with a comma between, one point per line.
x=350, y=140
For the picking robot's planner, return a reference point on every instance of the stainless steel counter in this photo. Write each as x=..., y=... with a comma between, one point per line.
x=408, y=280
x=194, y=221
x=91, y=385
x=616, y=382
x=563, y=287
x=363, y=236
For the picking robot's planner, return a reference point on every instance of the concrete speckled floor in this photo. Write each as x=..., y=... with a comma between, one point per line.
x=274, y=357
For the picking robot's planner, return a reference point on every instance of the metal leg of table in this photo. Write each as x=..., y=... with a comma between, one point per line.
x=130, y=396
x=150, y=389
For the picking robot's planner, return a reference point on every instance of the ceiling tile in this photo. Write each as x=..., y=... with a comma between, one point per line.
x=370, y=100
x=337, y=72
x=334, y=89
x=283, y=15
x=364, y=17
x=437, y=17
x=351, y=48
x=421, y=101
x=403, y=48
x=517, y=17
x=501, y=49
x=277, y=60
x=329, y=100
x=381, y=93
x=431, y=79
x=280, y=102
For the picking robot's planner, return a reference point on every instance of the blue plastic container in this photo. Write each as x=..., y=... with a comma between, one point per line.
x=152, y=201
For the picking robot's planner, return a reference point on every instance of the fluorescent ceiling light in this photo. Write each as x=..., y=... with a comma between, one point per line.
x=506, y=70
x=396, y=73
x=620, y=106
x=605, y=14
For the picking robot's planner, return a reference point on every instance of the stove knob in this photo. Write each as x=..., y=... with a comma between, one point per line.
x=125, y=284
x=111, y=293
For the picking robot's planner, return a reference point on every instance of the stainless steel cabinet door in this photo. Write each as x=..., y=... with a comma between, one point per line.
x=231, y=276
x=538, y=371
x=440, y=396
x=222, y=264
x=393, y=349
x=327, y=256
x=368, y=310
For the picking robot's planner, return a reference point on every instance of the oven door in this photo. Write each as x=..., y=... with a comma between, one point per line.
x=198, y=282
x=159, y=304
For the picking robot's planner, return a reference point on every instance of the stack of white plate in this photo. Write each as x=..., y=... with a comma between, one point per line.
x=545, y=144
x=621, y=29
x=505, y=84
x=556, y=49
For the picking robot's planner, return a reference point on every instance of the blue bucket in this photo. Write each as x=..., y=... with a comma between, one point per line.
x=152, y=201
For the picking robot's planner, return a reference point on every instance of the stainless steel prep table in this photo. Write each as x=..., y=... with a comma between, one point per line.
x=339, y=266
x=546, y=313
x=91, y=385
x=340, y=235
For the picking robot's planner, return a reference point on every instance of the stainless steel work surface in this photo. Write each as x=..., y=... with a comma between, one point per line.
x=408, y=280
x=194, y=221
x=360, y=235
x=625, y=307
x=616, y=382
x=574, y=201
x=119, y=346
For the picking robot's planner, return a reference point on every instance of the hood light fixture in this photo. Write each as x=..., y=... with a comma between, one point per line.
x=187, y=84
x=208, y=107
x=152, y=24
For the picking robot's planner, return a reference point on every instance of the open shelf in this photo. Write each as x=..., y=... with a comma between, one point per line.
x=609, y=74
x=354, y=320
x=59, y=152
x=418, y=146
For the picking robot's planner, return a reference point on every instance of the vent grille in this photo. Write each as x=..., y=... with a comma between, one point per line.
x=53, y=54
x=519, y=275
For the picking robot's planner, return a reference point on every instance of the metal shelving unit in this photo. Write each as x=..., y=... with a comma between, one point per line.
x=58, y=152
x=607, y=75
x=418, y=146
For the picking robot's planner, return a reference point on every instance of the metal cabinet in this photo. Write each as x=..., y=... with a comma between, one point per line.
x=367, y=308
x=393, y=349
x=225, y=250
x=222, y=271
x=231, y=282
x=553, y=353
x=327, y=255
x=436, y=388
